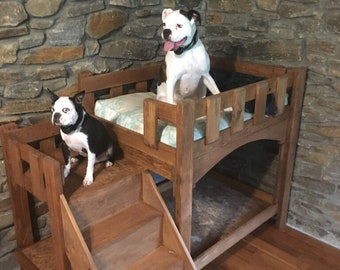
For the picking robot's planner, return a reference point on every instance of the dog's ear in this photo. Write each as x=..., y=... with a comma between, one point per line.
x=166, y=12
x=194, y=15
x=78, y=98
x=53, y=95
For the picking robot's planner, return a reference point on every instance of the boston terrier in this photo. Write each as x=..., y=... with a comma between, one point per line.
x=81, y=133
x=185, y=73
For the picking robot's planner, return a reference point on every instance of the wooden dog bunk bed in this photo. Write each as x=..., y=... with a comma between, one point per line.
x=184, y=163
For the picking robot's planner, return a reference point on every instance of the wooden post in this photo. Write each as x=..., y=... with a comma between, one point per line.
x=183, y=179
x=288, y=148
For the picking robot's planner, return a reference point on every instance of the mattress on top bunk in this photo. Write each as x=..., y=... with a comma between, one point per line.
x=127, y=111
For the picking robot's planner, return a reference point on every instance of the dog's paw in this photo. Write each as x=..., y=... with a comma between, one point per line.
x=87, y=181
x=108, y=164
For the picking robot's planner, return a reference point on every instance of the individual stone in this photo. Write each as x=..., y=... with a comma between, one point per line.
x=242, y=6
x=141, y=13
x=31, y=41
x=257, y=25
x=216, y=44
x=286, y=50
x=125, y=3
x=40, y=24
x=332, y=20
x=59, y=54
x=215, y=18
x=13, y=32
x=8, y=52
x=92, y=47
x=55, y=83
x=23, y=90
x=10, y=75
x=321, y=46
x=189, y=4
x=270, y=5
x=23, y=106
x=48, y=73
x=306, y=27
x=153, y=2
x=79, y=9
x=102, y=23
x=334, y=67
x=69, y=32
x=295, y=10
x=144, y=28
x=133, y=49
x=43, y=8
x=11, y=13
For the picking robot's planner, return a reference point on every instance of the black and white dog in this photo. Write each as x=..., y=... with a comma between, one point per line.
x=81, y=133
x=187, y=64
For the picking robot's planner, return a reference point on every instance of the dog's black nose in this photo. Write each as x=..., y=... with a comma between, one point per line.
x=56, y=118
x=166, y=33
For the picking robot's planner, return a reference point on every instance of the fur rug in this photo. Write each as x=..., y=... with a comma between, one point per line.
x=217, y=211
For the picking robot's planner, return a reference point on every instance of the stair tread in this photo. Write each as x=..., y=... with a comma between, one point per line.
x=113, y=190
x=160, y=258
x=118, y=225
x=103, y=176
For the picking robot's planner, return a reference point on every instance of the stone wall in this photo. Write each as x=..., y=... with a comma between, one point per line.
x=46, y=43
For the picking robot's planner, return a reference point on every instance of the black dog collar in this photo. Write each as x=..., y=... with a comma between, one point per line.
x=194, y=40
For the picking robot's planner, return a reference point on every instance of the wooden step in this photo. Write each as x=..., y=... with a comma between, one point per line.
x=119, y=225
x=110, y=193
x=161, y=258
x=137, y=231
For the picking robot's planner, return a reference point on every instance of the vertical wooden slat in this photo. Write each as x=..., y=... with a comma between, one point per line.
x=116, y=91
x=281, y=90
x=142, y=86
x=183, y=180
x=150, y=123
x=213, y=119
x=36, y=176
x=237, y=121
x=260, y=102
x=54, y=178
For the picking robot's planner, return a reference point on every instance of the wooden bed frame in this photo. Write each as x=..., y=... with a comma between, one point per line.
x=191, y=160
x=36, y=148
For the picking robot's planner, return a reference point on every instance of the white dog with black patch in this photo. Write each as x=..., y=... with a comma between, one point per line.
x=185, y=73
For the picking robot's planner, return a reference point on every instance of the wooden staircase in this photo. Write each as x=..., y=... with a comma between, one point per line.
x=119, y=222
x=123, y=224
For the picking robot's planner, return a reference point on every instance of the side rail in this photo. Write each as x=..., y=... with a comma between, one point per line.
x=30, y=171
x=183, y=115
x=23, y=161
x=115, y=83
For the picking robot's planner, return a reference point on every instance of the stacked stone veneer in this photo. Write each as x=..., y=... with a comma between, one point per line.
x=45, y=43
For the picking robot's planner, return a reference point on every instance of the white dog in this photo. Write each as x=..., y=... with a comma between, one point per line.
x=187, y=64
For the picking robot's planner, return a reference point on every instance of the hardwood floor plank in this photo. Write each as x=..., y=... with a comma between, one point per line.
x=269, y=248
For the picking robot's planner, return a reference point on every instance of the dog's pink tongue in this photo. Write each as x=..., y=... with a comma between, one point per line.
x=168, y=46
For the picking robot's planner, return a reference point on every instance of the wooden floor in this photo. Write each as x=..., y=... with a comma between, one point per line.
x=268, y=248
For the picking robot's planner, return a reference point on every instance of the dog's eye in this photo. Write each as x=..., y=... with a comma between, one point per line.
x=163, y=24
x=66, y=110
x=52, y=109
x=179, y=25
